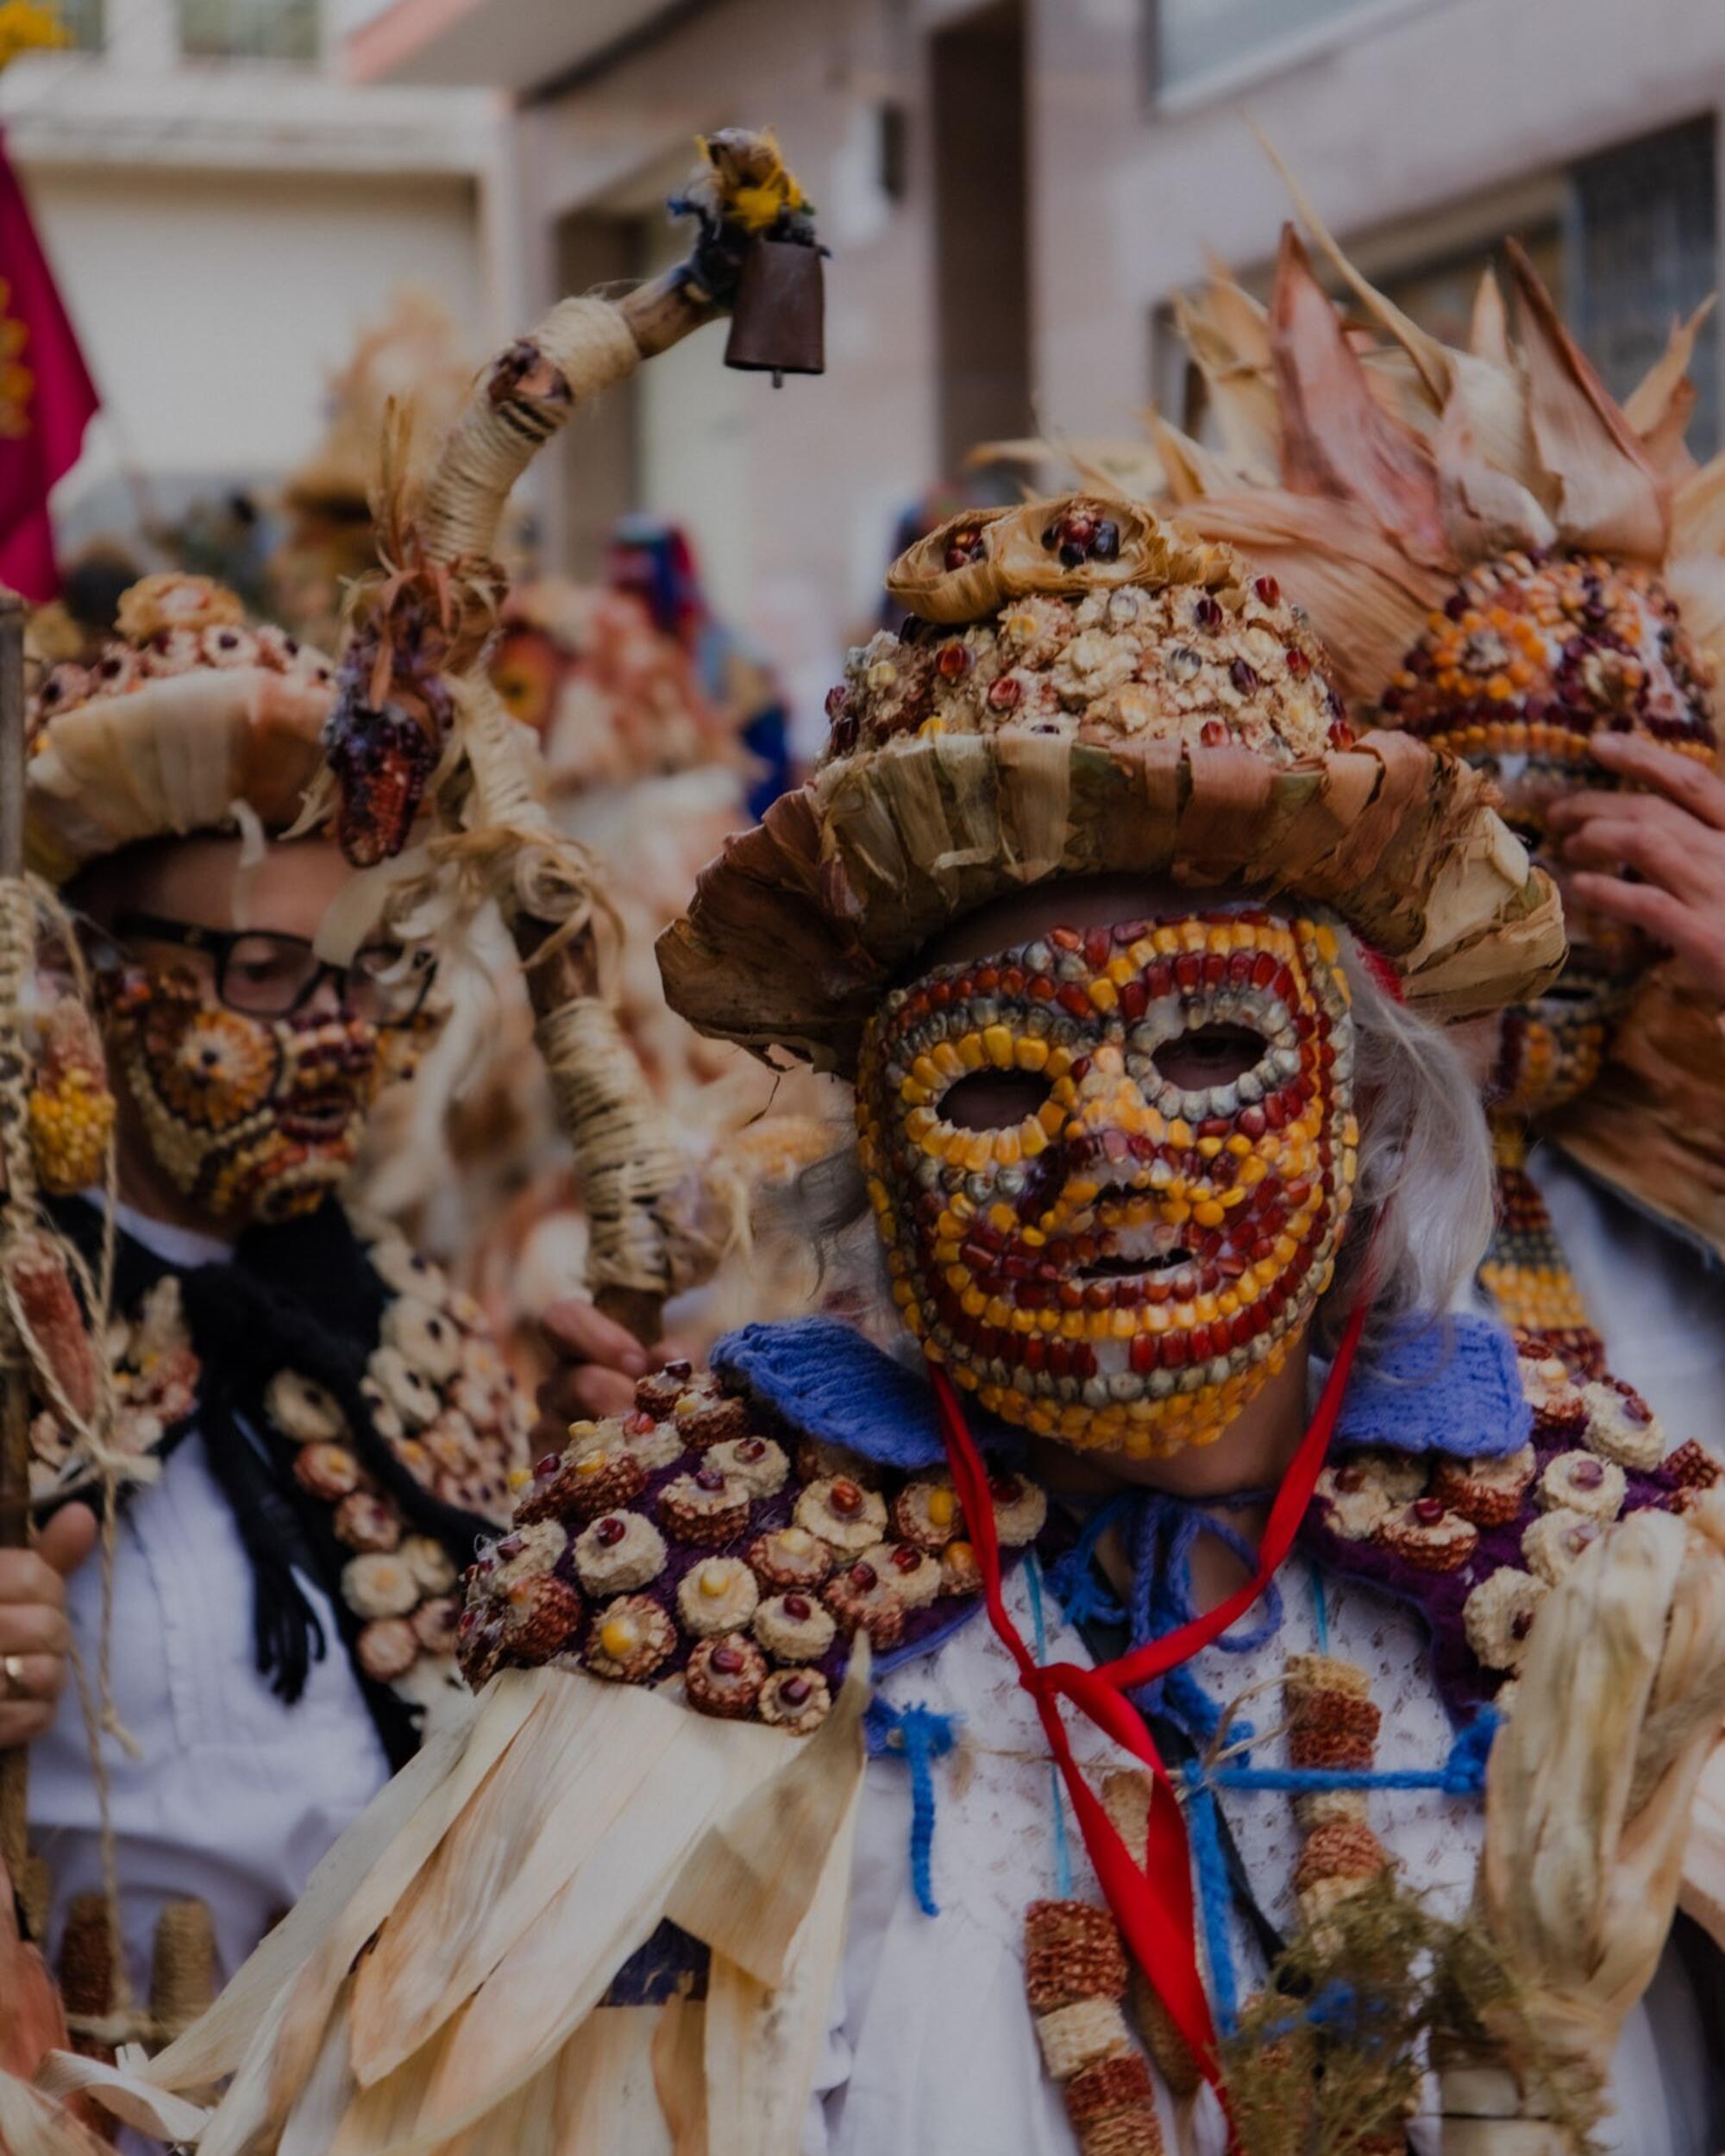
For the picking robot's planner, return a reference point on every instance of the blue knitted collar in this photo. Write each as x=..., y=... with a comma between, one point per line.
x=826, y=1381
x=1448, y=1387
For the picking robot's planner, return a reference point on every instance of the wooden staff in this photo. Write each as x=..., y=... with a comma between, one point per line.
x=416, y=670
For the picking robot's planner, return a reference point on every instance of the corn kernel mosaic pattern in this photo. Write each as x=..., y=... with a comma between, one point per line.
x=1527, y=658
x=1236, y=665
x=1127, y=1265
x=253, y=1119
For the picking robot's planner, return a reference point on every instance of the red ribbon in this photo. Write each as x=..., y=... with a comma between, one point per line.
x=1153, y=1905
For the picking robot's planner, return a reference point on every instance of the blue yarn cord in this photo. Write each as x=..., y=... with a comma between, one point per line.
x=1062, y=1850
x=1076, y=1578
x=1164, y=1535
x=1462, y=1774
x=920, y=1737
x=1215, y=1897
x=1320, y=1616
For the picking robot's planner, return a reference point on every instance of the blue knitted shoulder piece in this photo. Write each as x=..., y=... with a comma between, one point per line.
x=826, y=1380
x=1445, y=1387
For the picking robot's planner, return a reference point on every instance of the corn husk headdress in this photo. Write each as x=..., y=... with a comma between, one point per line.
x=1397, y=485
x=188, y=720
x=1412, y=475
x=1083, y=688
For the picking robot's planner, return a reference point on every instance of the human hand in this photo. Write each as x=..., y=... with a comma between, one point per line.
x=1672, y=838
x=35, y=1639
x=598, y=1362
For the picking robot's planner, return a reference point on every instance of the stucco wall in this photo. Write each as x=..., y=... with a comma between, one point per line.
x=1401, y=114
x=212, y=309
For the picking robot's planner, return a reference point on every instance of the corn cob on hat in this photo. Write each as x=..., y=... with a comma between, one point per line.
x=1083, y=688
x=189, y=720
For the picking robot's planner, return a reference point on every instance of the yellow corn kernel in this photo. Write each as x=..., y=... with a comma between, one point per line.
x=997, y=1046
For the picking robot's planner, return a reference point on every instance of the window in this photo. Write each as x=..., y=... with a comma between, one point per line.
x=1643, y=253
x=1193, y=42
x=1625, y=241
x=249, y=30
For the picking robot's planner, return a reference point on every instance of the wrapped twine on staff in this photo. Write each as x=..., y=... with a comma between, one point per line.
x=416, y=714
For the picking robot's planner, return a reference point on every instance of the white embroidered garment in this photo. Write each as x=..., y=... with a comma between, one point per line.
x=932, y=2051
x=1657, y=1301
x=235, y=1796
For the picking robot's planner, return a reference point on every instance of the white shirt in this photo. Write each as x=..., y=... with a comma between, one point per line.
x=932, y=2051
x=233, y=1796
x=1655, y=1297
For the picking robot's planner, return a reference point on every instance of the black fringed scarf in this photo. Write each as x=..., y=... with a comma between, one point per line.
x=299, y=1295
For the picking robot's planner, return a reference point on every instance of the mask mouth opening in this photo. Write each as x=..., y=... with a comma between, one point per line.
x=1126, y=1265
x=314, y=1116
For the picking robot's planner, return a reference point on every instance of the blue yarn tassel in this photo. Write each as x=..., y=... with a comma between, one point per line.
x=1215, y=1897
x=920, y=1737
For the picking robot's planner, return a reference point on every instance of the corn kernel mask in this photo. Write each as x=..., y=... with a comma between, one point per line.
x=1111, y=1167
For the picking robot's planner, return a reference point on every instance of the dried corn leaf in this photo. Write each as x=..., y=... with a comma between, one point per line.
x=1660, y=405
x=32, y=2124
x=1699, y=510
x=1191, y=470
x=211, y=2049
x=913, y=837
x=1611, y=499
x=172, y=755
x=1336, y=439
x=1653, y=1124
x=1488, y=331
x=559, y=1970
x=762, y=2046
x=124, y=2093
x=509, y=1703
x=1428, y=356
x=679, y=2074
x=545, y=1808
x=748, y=1888
x=1590, y=1783
x=1367, y=600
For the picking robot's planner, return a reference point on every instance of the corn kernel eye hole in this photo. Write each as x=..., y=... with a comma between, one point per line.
x=1212, y=1055
x=994, y=1099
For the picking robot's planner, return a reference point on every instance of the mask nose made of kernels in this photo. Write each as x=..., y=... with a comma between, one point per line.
x=1112, y=1168
x=252, y=1118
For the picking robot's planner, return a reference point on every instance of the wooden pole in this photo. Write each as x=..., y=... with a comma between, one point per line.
x=14, y=1393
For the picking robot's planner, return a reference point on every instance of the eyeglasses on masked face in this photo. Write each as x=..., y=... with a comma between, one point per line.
x=262, y=974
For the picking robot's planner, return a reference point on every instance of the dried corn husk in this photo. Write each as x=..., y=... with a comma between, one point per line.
x=1017, y=565
x=1611, y=499
x=1649, y=1125
x=439, y=1988
x=1592, y=1781
x=171, y=757
x=33, y=2124
x=797, y=929
x=1336, y=439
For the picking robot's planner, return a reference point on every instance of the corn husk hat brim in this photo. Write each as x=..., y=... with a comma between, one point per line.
x=800, y=924
x=159, y=740
x=169, y=759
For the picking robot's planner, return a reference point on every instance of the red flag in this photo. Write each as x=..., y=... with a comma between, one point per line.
x=47, y=397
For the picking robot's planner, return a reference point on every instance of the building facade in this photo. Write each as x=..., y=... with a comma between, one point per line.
x=223, y=213
x=1014, y=191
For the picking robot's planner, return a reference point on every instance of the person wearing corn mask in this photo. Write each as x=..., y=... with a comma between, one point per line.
x=1508, y=563
x=870, y=1731
x=308, y=1430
